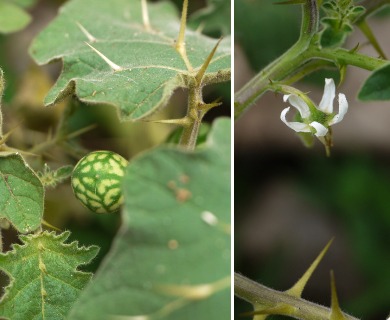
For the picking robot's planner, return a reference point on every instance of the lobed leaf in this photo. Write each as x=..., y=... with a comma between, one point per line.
x=22, y=193
x=45, y=281
x=171, y=259
x=149, y=67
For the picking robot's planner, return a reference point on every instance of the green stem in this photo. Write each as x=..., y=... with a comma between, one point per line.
x=190, y=135
x=1, y=96
x=304, y=51
x=294, y=59
x=59, y=137
x=194, y=117
x=285, y=64
x=276, y=71
x=344, y=57
x=257, y=294
x=307, y=69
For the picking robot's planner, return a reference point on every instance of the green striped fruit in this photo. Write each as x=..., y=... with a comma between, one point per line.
x=96, y=181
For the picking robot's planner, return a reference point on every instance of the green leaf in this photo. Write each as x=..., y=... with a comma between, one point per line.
x=356, y=12
x=338, y=21
x=12, y=17
x=204, y=130
x=1, y=96
x=45, y=281
x=171, y=259
x=334, y=33
x=21, y=201
x=377, y=86
x=151, y=68
x=24, y=3
x=215, y=18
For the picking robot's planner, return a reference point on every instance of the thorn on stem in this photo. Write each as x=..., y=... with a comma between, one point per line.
x=336, y=313
x=202, y=70
x=184, y=122
x=296, y=290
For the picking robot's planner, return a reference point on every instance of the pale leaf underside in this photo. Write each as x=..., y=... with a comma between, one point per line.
x=150, y=67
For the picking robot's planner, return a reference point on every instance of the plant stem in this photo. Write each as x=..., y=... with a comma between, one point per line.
x=345, y=57
x=292, y=60
x=194, y=116
x=276, y=71
x=285, y=64
x=258, y=294
x=1, y=96
x=305, y=50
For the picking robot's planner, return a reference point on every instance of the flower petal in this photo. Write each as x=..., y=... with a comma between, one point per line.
x=296, y=126
x=326, y=104
x=299, y=104
x=321, y=130
x=343, y=108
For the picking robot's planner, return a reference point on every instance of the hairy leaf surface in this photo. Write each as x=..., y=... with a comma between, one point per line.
x=151, y=68
x=45, y=281
x=171, y=259
x=21, y=200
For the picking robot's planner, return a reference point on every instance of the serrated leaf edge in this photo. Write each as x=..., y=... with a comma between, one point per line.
x=61, y=238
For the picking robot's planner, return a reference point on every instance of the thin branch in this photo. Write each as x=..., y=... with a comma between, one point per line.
x=256, y=293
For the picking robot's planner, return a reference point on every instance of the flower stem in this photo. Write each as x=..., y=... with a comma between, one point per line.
x=304, y=51
x=293, y=60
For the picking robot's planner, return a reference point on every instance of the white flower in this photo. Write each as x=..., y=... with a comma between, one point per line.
x=316, y=119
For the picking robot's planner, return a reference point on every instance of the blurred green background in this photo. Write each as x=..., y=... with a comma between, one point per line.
x=289, y=200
